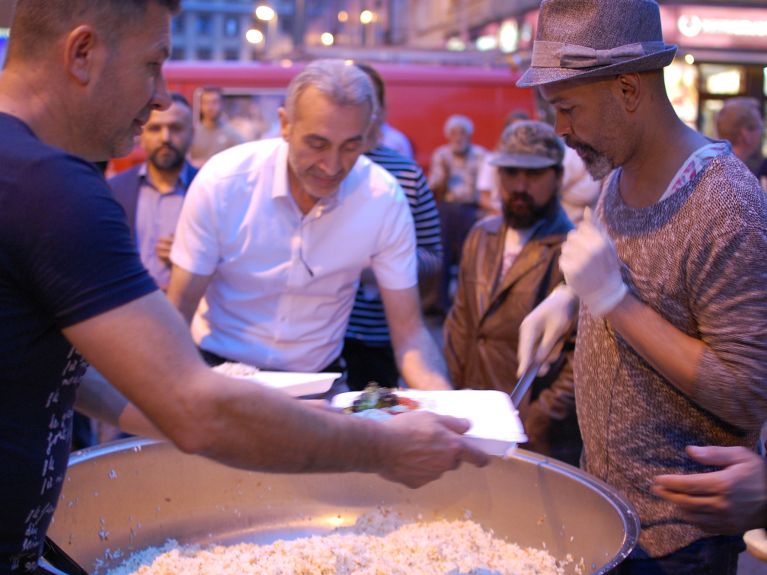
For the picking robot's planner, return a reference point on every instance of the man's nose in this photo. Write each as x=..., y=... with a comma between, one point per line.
x=561, y=124
x=161, y=99
x=517, y=183
x=332, y=162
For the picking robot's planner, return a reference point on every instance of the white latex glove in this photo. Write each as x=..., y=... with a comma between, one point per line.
x=591, y=266
x=543, y=327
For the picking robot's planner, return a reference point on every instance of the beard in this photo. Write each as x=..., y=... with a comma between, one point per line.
x=167, y=161
x=521, y=217
x=597, y=164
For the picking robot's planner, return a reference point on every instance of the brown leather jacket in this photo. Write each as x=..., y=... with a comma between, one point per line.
x=481, y=330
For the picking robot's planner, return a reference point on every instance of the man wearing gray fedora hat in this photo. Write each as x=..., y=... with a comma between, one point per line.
x=669, y=271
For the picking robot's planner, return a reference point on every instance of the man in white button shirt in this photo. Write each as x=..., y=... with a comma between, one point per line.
x=509, y=265
x=274, y=235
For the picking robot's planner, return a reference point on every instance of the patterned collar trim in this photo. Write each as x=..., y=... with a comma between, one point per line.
x=694, y=165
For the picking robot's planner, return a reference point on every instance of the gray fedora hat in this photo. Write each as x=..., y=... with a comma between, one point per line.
x=596, y=38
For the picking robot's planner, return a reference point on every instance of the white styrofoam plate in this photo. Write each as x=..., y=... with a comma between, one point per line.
x=756, y=543
x=295, y=383
x=495, y=424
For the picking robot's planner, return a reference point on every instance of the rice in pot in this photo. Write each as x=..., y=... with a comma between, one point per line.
x=379, y=543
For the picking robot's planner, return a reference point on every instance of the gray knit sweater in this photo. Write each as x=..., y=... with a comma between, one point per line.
x=699, y=258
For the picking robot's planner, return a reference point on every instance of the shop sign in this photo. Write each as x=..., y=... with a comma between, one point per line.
x=715, y=27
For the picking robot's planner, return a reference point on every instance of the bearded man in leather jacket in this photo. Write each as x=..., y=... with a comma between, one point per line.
x=510, y=263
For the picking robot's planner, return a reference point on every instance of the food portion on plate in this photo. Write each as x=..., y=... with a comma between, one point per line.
x=236, y=369
x=495, y=424
x=756, y=543
x=384, y=399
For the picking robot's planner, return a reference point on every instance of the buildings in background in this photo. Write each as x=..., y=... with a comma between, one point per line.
x=212, y=30
x=722, y=54
x=445, y=31
x=722, y=45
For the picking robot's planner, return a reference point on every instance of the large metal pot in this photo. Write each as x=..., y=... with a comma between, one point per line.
x=133, y=494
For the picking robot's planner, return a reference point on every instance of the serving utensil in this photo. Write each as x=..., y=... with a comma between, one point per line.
x=526, y=380
x=523, y=383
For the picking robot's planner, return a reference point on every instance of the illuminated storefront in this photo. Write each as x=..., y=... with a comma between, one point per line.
x=722, y=53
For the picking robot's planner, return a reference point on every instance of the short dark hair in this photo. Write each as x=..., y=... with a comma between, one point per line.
x=212, y=90
x=378, y=83
x=35, y=21
x=180, y=99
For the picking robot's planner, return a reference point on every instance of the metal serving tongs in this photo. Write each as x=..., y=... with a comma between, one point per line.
x=58, y=559
x=523, y=383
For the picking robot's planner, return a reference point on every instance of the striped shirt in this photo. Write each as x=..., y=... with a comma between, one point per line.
x=368, y=320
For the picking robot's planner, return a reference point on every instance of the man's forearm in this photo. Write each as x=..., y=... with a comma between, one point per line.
x=226, y=423
x=185, y=291
x=420, y=362
x=429, y=263
x=673, y=353
x=136, y=423
x=286, y=436
x=97, y=398
x=727, y=379
x=144, y=350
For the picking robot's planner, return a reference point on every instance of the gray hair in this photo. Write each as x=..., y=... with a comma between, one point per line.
x=459, y=121
x=342, y=82
x=38, y=24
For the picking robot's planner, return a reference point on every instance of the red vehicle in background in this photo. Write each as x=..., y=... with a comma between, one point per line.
x=419, y=99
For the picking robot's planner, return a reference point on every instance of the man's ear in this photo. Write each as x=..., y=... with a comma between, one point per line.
x=741, y=137
x=560, y=179
x=80, y=51
x=630, y=86
x=284, y=123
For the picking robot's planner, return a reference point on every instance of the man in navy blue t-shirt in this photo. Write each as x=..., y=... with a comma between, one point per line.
x=81, y=78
